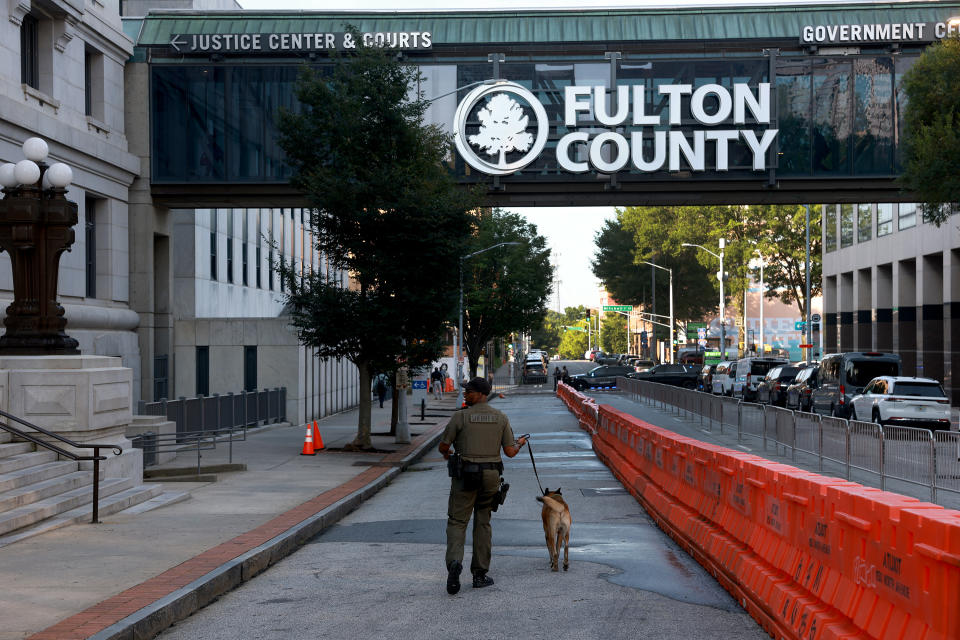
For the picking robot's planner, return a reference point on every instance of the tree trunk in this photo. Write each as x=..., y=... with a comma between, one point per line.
x=394, y=407
x=363, y=441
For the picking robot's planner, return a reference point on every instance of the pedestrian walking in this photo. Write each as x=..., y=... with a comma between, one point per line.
x=476, y=434
x=556, y=377
x=381, y=388
x=436, y=383
x=565, y=375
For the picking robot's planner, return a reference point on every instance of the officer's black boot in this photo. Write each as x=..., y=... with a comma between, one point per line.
x=481, y=580
x=453, y=577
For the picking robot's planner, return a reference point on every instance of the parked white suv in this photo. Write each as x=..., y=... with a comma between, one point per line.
x=903, y=401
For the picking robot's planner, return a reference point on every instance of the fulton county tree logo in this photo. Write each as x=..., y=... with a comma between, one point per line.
x=503, y=129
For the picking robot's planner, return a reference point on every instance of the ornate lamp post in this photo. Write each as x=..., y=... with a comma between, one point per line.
x=36, y=226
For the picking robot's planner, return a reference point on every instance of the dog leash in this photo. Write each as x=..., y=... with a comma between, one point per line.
x=530, y=451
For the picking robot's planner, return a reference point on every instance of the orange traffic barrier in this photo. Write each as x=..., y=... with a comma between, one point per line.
x=808, y=556
x=317, y=440
x=308, y=443
x=449, y=385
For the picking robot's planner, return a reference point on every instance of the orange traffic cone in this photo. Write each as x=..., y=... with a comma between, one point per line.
x=308, y=443
x=317, y=440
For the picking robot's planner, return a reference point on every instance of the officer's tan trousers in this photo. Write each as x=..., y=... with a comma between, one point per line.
x=462, y=503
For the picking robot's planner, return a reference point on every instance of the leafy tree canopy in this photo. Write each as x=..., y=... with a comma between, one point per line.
x=384, y=209
x=574, y=344
x=932, y=129
x=505, y=289
x=657, y=234
x=550, y=333
x=613, y=333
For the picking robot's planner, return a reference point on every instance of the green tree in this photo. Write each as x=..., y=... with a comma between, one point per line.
x=504, y=290
x=932, y=129
x=613, y=333
x=381, y=201
x=574, y=344
x=554, y=325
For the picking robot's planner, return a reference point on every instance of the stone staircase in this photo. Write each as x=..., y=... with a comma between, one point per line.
x=39, y=493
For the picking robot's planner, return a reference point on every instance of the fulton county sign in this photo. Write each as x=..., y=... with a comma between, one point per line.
x=505, y=127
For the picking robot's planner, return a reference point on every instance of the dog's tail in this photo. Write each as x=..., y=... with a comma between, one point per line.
x=554, y=505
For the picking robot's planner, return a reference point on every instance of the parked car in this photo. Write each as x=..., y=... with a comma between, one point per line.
x=772, y=388
x=723, y=377
x=799, y=393
x=602, y=376
x=749, y=373
x=640, y=364
x=678, y=375
x=903, y=401
x=844, y=375
x=705, y=378
x=607, y=358
x=534, y=372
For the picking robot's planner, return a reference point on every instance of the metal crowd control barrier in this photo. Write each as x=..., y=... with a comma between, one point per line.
x=921, y=457
x=221, y=412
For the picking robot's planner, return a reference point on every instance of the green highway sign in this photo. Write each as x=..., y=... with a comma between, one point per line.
x=623, y=308
x=576, y=328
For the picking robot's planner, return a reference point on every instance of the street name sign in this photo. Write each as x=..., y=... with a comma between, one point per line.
x=623, y=308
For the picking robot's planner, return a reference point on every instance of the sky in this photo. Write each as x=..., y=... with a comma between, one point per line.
x=569, y=231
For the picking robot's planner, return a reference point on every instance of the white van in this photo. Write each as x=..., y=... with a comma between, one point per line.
x=723, y=377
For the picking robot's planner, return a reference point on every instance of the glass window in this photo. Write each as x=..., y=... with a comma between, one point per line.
x=903, y=64
x=29, y=52
x=230, y=213
x=872, y=120
x=793, y=114
x=832, y=124
x=864, y=222
x=244, y=248
x=884, y=219
x=259, y=241
x=203, y=371
x=830, y=227
x=908, y=215
x=923, y=389
x=846, y=225
x=90, y=240
x=214, y=214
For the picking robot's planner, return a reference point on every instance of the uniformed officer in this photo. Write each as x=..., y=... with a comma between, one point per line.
x=477, y=433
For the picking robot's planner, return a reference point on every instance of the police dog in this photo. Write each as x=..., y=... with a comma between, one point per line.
x=556, y=527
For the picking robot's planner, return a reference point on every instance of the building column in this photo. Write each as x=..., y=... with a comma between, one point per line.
x=883, y=329
x=847, y=303
x=864, y=317
x=830, y=314
x=930, y=336
x=905, y=315
x=951, y=378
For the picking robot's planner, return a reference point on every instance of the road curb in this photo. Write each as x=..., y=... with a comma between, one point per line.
x=149, y=621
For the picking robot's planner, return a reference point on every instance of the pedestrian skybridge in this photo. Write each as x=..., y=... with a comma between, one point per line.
x=785, y=104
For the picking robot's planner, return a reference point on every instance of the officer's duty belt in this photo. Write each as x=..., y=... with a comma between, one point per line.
x=473, y=467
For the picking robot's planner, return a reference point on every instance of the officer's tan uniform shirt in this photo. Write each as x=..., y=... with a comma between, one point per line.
x=478, y=432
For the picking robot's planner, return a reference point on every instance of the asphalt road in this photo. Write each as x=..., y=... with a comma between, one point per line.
x=379, y=573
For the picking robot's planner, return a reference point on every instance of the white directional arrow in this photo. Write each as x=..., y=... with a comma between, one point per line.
x=175, y=41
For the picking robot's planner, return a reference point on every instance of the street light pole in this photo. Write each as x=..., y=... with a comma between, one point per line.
x=670, y=271
x=723, y=329
x=809, y=324
x=459, y=380
x=762, y=348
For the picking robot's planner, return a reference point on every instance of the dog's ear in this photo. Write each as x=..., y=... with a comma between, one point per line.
x=558, y=491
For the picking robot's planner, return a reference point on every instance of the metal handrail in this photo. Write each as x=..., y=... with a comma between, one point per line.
x=95, y=458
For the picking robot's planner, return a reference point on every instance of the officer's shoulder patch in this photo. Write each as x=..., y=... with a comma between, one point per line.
x=483, y=417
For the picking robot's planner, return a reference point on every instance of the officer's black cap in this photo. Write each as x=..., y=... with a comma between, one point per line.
x=479, y=385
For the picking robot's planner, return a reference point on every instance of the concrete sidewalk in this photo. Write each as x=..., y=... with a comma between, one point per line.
x=135, y=573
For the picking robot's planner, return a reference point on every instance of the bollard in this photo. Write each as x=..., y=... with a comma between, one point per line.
x=423, y=409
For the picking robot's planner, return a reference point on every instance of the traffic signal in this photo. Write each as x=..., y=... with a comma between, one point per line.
x=588, y=314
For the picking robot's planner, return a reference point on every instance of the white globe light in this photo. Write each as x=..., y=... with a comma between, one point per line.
x=27, y=172
x=45, y=181
x=35, y=149
x=60, y=175
x=8, y=178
